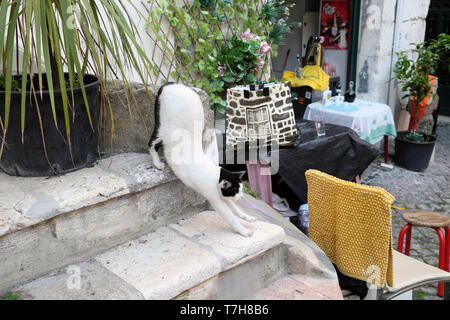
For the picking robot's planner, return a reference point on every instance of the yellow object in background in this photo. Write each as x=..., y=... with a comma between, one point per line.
x=313, y=76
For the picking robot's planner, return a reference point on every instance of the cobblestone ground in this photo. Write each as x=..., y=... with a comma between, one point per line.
x=429, y=190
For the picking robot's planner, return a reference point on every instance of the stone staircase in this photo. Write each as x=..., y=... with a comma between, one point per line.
x=122, y=230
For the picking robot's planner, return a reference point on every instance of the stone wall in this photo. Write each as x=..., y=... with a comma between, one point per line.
x=261, y=117
x=134, y=124
x=376, y=45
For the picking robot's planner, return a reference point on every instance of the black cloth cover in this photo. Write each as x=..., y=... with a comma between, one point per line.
x=341, y=153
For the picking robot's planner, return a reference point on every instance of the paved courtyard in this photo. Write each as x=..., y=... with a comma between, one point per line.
x=419, y=190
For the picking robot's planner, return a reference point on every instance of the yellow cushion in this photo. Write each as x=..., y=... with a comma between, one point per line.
x=351, y=223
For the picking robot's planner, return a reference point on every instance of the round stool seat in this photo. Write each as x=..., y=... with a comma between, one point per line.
x=428, y=219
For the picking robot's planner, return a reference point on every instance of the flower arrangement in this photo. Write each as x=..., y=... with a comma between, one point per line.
x=205, y=55
x=241, y=58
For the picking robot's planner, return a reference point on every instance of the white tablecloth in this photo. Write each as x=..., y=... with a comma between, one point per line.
x=370, y=120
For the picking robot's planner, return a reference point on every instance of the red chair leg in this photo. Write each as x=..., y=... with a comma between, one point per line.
x=447, y=248
x=401, y=237
x=442, y=256
x=386, y=149
x=408, y=240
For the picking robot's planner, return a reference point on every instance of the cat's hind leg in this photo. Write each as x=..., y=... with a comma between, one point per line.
x=157, y=163
x=238, y=211
x=223, y=209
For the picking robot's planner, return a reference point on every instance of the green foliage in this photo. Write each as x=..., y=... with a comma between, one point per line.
x=413, y=75
x=10, y=296
x=276, y=14
x=240, y=60
x=208, y=43
x=15, y=84
x=73, y=36
x=248, y=190
x=441, y=46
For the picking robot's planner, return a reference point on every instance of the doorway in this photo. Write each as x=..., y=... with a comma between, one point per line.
x=438, y=21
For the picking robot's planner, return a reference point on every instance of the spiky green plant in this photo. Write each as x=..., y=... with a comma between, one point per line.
x=67, y=36
x=276, y=13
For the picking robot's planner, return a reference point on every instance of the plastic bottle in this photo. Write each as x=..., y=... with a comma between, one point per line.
x=299, y=68
x=339, y=99
x=350, y=96
x=326, y=96
x=339, y=88
x=326, y=66
x=303, y=219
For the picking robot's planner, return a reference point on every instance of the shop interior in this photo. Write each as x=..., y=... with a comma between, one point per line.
x=331, y=20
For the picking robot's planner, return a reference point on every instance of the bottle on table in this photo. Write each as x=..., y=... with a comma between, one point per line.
x=339, y=99
x=338, y=89
x=326, y=66
x=350, y=96
x=299, y=68
x=326, y=96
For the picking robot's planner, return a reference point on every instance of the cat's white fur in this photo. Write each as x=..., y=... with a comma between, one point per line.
x=181, y=127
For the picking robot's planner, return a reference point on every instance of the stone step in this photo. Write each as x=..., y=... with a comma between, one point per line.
x=49, y=223
x=299, y=287
x=199, y=258
x=181, y=260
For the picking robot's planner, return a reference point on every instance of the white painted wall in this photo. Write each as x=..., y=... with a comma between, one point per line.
x=378, y=21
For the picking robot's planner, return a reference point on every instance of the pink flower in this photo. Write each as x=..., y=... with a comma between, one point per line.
x=222, y=70
x=261, y=64
x=247, y=35
x=265, y=47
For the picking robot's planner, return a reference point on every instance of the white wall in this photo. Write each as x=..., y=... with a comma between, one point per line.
x=376, y=42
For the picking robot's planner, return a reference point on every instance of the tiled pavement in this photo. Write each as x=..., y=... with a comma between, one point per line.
x=429, y=190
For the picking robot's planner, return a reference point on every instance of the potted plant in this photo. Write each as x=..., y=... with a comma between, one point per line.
x=414, y=148
x=66, y=51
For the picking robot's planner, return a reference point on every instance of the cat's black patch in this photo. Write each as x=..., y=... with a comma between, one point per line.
x=157, y=122
x=229, y=182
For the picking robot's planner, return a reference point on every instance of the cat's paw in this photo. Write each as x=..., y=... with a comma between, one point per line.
x=249, y=219
x=246, y=233
x=159, y=165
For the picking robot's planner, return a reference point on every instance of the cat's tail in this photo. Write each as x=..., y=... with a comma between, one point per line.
x=157, y=110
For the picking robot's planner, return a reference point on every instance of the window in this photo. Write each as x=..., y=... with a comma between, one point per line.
x=258, y=122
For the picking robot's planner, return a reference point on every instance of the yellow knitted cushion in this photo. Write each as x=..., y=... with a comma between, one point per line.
x=351, y=223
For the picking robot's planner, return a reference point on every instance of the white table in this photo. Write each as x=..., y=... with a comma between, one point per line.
x=370, y=120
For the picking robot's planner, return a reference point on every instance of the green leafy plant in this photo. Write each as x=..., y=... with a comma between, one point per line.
x=248, y=190
x=15, y=84
x=413, y=75
x=200, y=38
x=10, y=296
x=66, y=36
x=241, y=58
x=276, y=14
x=441, y=47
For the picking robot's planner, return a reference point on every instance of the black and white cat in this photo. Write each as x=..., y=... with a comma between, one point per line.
x=179, y=124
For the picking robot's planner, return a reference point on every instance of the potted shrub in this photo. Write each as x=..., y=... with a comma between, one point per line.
x=66, y=51
x=414, y=148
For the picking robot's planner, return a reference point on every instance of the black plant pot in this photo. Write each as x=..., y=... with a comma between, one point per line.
x=28, y=159
x=412, y=155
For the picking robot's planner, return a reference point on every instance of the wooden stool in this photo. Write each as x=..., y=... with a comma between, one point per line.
x=432, y=220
